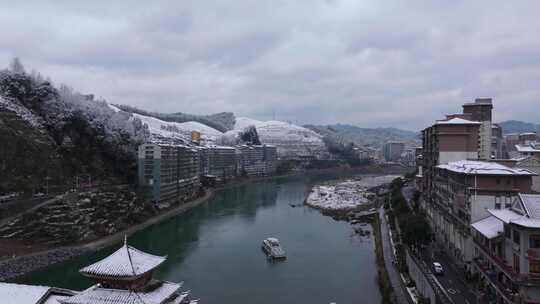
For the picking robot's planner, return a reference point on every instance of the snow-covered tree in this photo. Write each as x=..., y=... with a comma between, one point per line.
x=16, y=66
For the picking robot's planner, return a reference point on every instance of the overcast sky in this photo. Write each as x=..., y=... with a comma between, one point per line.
x=369, y=63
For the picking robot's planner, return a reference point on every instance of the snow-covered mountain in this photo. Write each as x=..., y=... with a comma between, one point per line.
x=163, y=130
x=292, y=141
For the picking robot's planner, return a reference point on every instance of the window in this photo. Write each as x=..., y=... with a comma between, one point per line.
x=498, y=181
x=516, y=263
x=534, y=266
x=516, y=237
x=534, y=241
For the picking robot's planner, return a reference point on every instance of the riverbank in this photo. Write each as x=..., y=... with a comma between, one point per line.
x=30, y=258
x=16, y=266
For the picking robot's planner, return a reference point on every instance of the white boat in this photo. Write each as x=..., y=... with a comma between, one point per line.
x=273, y=249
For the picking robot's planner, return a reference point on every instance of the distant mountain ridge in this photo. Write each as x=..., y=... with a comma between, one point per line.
x=516, y=126
x=374, y=137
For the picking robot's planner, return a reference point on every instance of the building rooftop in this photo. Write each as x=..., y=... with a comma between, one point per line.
x=489, y=227
x=28, y=294
x=473, y=167
x=527, y=148
x=457, y=121
x=124, y=263
x=160, y=294
x=525, y=212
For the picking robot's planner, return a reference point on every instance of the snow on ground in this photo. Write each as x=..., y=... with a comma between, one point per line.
x=22, y=112
x=176, y=130
x=291, y=140
x=346, y=195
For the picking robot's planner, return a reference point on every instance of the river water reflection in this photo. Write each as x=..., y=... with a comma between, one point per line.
x=215, y=249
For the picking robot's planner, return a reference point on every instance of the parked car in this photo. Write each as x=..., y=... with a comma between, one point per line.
x=437, y=268
x=39, y=194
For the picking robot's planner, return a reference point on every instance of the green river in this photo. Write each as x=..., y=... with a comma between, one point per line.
x=215, y=249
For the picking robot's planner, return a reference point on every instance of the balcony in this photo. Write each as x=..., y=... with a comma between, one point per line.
x=530, y=278
x=506, y=291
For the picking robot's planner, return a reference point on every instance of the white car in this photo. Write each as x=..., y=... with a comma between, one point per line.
x=437, y=268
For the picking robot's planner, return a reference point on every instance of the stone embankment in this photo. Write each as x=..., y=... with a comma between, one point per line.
x=17, y=266
x=78, y=218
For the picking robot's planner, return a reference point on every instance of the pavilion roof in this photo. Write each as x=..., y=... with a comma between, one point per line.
x=126, y=262
x=165, y=292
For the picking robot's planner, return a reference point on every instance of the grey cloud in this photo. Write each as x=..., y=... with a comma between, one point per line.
x=372, y=63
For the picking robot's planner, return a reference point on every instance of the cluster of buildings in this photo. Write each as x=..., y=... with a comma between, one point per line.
x=484, y=209
x=123, y=277
x=175, y=172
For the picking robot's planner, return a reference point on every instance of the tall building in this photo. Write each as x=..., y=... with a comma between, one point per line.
x=392, y=150
x=498, y=147
x=446, y=141
x=258, y=160
x=169, y=172
x=462, y=193
x=480, y=110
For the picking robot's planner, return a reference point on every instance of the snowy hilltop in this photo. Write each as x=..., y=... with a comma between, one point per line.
x=56, y=133
x=292, y=141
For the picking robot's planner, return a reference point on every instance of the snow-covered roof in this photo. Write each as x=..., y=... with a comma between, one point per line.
x=474, y=167
x=505, y=215
x=124, y=263
x=457, y=121
x=18, y=293
x=531, y=203
x=489, y=227
x=98, y=295
x=527, y=148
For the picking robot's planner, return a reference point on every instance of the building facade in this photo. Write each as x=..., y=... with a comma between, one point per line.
x=392, y=150
x=480, y=111
x=169, y=172
x=507, y=252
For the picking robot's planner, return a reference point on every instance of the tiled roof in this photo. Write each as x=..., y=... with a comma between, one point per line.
x=98, y=295
x=125, y=262
x=490, y=227
x=505, y=215
x=531, y=202
x=483, y=168
x=18, y=293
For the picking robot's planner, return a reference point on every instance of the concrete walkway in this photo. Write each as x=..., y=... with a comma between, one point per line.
x=400, y=295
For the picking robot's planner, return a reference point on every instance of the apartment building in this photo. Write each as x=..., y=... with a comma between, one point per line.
x=446, y=141
x=392, y=150
x=462, y=193
x=507, y=252
x=170, y=172
x=258, y=160
x=498, y=147
x=531, y=163
x=481, y=110
x=222, y=162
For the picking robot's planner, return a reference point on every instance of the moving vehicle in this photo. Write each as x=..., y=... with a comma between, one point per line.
x=273, y=249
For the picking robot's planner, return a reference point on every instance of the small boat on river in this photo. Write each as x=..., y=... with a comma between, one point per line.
x=273, y=249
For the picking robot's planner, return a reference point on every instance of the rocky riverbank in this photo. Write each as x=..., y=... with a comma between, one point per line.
x=346, y=197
